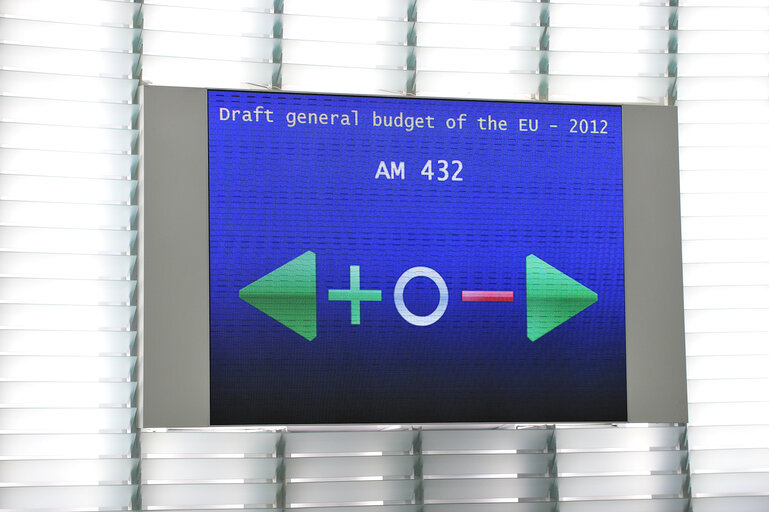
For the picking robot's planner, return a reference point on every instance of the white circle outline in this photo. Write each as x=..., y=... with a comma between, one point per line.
x=443, y=299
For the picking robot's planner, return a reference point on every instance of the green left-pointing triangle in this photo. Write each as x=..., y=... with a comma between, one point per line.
x=287, y=294
x=552, y=297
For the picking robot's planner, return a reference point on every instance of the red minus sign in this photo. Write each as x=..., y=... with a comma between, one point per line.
x=486, y=296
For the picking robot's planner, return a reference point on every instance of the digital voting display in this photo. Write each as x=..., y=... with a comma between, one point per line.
x=391, y=260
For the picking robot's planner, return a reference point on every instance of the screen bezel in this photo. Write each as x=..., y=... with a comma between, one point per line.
x=173, y=271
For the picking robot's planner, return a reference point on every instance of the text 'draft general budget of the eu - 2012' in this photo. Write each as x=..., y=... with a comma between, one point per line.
x=414, y=260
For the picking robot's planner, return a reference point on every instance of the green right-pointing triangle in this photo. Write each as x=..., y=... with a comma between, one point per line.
x=552, y=297
x=287, y=294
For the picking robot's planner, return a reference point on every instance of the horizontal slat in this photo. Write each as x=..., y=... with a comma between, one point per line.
x=59, y=446
x=735, y=390
x=350, y=80
x=729, y=437
x=66, y=394
x=607, y=439
x=723, y=18
x=723, y=41
x=394, y=9
x=727, y=367
x=207, y=73
x=456, y=35
x=486, y=441
x=67, y=164
x=718, y=158
x=730, y=484
x=726, y=320
x=603, y=487
x=209, y=470
x=183, y=444
x=645, y=504
x=487, y=507
x=722, y=64
x=590, y=15
x=352, y=493
x=482, y=12
x=92, y=497
x=720, y=274
x=731, y=504
x=67, y=472
x=66, y=421
x=726, y=297
x=234, y=5
x=65, y=343
x=68, y=138
x=473, y=60
x=308, y=444
x=609, y=89
x=726, y=344
x=492, y=490
x=96, y=12
x=28, y=316
x=307, y=469
x=621, y=463
x=724, y=228
x=66, y=291
x=65, y=35
x=334, y=54
x=725, y=251
x=66, y=266
x=207, y=46
x=751, y=413
x=609, y=64
x=486, y=466
x=595, y=39
x=43, y=59
x=713, y=181
x=478, y=85
x=58, y=240
x=716, y=88
x=66, y=87
x=68, y=113
x=54, y=215
x=726, y=111
x=347, y=30
x=724, y=461
x=66, y=369
x=723, y=134
x=207, y=21
x=221, y=496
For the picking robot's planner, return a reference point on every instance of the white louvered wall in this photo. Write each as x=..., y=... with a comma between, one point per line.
x=68, y=78
x=67, y=86
x=723, y=99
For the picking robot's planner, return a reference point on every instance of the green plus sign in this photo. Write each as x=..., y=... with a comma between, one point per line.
x=355, y=295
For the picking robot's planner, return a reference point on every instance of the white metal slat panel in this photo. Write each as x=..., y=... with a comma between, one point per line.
x=354, y=50
x=66, y=343
x=218, y=468
x=112, y=420
x=475, y=468
x=723, y=88
x=635, y=467
x=67, y=164
x=723, y=50
x=724, y=104
x=67, y=84
x=66, y=394
x=68, y=61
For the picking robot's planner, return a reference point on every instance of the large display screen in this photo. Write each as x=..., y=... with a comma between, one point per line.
x=400, y=260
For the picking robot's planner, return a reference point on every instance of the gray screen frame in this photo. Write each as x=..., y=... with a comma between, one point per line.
x=173, y=325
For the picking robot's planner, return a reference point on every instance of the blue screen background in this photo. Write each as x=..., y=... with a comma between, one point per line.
x=277, y=191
